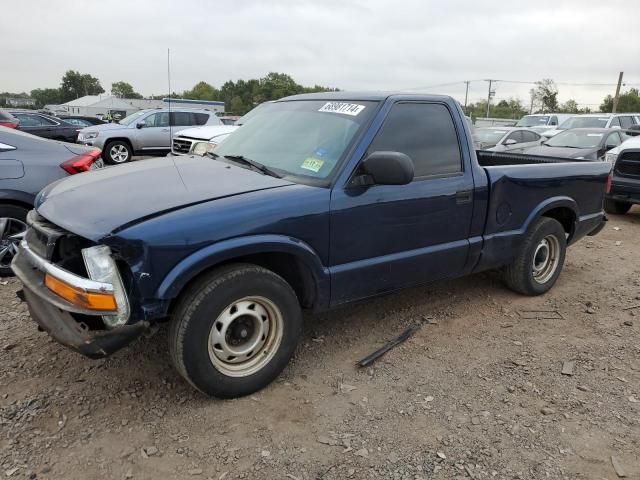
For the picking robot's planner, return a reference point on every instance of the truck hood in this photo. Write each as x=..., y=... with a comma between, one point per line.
x=207, y=132
x=563, y=152
x=98, y=203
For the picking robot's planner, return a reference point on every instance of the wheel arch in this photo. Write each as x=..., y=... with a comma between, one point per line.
x=17, y=198
x=292, y=259
x=563, y=209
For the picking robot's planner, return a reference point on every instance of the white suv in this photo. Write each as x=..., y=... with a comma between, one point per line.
x=147, y=132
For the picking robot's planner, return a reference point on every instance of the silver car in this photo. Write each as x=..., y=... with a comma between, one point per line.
x=147, y=132
x=505, y=139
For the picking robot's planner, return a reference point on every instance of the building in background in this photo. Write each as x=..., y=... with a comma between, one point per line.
x=18, y=102
x=100, y=105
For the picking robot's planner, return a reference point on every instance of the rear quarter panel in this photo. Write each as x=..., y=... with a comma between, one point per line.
x=520, y=194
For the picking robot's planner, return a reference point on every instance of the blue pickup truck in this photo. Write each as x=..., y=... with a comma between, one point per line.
x=318, y=201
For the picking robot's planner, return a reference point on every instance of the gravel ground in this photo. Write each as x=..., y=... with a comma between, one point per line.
x=478, y=392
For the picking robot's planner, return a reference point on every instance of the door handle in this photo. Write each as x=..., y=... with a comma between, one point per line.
x=165, y=129
x=463, y=197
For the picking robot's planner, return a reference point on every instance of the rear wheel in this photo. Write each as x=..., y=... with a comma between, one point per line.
x=235, y=330
x=13, y=227
x=616, y=207
x=539, y=263
x=117, y=152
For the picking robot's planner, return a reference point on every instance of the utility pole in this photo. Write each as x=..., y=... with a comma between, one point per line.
x=489, y=95
x=615, y=99
x=466, y=95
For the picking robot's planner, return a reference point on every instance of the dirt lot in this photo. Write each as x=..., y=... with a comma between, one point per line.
x=477, y=393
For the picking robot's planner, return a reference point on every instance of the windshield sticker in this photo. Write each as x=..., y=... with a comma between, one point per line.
x=594, y=134
x=352, y=109
x=313, y=164
x=603, y=119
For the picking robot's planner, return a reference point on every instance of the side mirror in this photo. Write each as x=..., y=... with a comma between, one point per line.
x=388, y=168
x=609, y=147
x=141, y=124
x=509, y=141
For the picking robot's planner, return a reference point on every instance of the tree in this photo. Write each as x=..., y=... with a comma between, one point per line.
x=627, y=102
x=547, y=92
x=202, y=91
x=570, y=106
x=75, y=85
x=124, y=90
x=46, y=96
x=511, y=108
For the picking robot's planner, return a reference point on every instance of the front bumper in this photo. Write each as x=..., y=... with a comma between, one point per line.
x=54, y=314
x=625, y=191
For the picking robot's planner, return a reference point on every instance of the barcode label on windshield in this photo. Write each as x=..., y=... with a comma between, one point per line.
x=352, y=109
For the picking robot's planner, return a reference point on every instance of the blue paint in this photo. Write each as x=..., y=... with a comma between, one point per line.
x=170, y=220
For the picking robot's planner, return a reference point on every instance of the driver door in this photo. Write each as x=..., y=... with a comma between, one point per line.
x=386, y=237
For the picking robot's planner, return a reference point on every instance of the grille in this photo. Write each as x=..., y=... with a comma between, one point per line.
x=182, y=145
x=628, y=164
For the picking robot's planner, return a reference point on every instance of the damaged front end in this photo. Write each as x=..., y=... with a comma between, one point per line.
x=75, y=289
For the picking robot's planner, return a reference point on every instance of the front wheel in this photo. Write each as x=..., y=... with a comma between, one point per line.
x=616, y=207
x=235, y=330
x=538, y=264
x=117, y=152
x=13, y=227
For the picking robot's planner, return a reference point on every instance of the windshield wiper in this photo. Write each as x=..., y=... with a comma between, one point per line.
x=252, y=163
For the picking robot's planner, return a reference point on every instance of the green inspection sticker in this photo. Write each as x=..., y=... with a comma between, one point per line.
x=313, y=164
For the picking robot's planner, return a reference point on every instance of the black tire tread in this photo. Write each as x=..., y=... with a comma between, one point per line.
x=616, y=207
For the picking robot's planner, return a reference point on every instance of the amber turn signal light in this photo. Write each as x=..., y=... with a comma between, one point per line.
x=81, y=298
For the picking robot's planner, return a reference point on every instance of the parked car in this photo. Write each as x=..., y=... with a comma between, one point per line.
x=8, y=120
x=45, y=126
x=81, y=120
x=625, y=184
x=27, y=164
x=596, y=120
x=508, y=139
x=580, y=144
x=541, y=122
x=320, y=200
x=147, y=132
x=185, y=141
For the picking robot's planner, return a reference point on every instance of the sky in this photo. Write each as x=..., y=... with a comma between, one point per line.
x=418, y=45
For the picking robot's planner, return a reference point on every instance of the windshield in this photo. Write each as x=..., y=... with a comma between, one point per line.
x=575, y=139
x=488, y=135
x=533, y=121
x=305, y=138
x=131, y=118
x=584, y=122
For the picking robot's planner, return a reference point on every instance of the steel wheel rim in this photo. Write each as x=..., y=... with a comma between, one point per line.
x=546, y=258
x=245, y=336
x=119, y=153
x=12, y=231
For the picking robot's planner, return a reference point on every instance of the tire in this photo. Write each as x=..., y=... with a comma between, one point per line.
x=12, y=229
x=616, y=207
x=213, y=319
x=538, y=264
x=117, y=152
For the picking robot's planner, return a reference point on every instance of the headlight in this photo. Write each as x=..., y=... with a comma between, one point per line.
x=202, y=148
x=611, y=157
x=90, y=135
x=102, y=268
